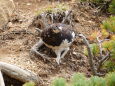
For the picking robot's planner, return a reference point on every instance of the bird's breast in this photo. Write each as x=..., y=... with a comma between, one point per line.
x=61, y=39
x=64, y=44
x=57, y=39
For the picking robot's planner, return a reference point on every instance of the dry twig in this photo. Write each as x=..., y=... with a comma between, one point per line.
x=67, y=15
x=9, y=34
x=17, y=73
x=90, y=54
x=1, y=79
x=100, y=46
x=103, y=58
x=94, y=69
x=101, y=62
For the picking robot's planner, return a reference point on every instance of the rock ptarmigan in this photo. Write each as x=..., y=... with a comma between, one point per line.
x=58, y=37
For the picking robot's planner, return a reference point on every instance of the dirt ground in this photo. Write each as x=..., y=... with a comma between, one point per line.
x=15, y=47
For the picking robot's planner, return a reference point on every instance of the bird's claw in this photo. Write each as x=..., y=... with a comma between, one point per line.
x=58, y=61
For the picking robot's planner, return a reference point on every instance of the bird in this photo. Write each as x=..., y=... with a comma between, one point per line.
x=58, y=37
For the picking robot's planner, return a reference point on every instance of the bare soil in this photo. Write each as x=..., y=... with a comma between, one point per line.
x=16, y=41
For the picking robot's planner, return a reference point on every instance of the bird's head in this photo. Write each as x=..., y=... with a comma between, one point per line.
x=56, y=28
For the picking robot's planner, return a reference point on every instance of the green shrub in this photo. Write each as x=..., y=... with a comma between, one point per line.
x=29, y=84
x=109, y=24
x=97, y=81
x=112, y=7
x=59, y=82
x=108, y=46
x=95, y=49
x=110, y=79
x=110, y=64
x=80, y=80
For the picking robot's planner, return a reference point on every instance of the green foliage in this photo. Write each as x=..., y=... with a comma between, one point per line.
x=109, y=45
x=104, y=33
x=59, y=82
x=97, y=81
x=110, y=78
x=109, y=65
x=85, y=51
x=80, y=80
x=29, y=84
x=112, y=7
x=109, y=24
x=77, y=77
x=94, y=48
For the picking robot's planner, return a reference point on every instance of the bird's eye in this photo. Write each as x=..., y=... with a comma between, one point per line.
x=56, y=27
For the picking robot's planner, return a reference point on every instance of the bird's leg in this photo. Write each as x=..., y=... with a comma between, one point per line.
x=36, y=47
x=39, y=30
x=65, y=52
x=59, y=56
x=58, y=53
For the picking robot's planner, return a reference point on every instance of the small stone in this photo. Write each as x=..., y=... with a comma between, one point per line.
x=10, y=24
x=74, y=53
x=28, y=4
